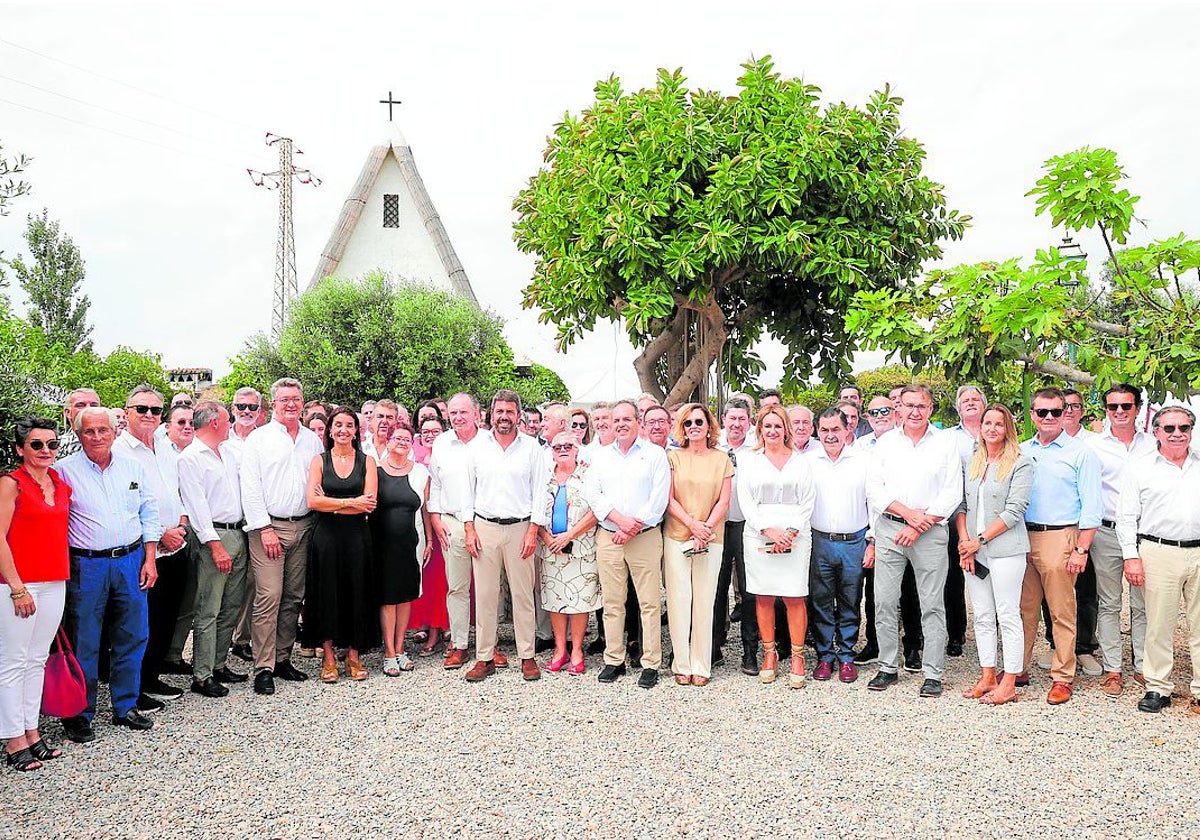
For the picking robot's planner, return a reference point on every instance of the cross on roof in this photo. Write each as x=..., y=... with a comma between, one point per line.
x=389, y=102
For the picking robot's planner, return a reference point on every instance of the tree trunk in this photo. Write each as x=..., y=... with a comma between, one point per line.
x=705, y=354
x=646, y=364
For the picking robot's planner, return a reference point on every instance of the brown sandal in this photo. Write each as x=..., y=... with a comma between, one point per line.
x=356, y=669
x=989, y=699
x=329, y=671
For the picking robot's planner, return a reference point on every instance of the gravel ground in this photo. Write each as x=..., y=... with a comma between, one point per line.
x=427, y=755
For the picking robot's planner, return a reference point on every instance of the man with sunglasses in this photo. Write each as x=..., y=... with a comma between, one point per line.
x=1064, y=512
x=246, y=404
x=1158, y=526
x=77, y=401
x=1117, y=446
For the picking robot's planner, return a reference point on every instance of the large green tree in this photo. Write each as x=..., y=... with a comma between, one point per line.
x=52, y=281
x=704, y=222
x=352, y=340
x=1139, y=321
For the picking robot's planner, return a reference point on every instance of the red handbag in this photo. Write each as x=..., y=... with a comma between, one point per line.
x=64, y=693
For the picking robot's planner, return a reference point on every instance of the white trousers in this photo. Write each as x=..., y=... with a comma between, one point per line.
x=691, y=590
x=997, y=601
x=458, y=582
x=24, y=646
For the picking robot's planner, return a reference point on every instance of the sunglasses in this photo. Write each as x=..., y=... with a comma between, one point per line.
x=1127, y=406
x=879, y=412
x=687, y=424
x=183, y=422
x=246, y=406
x=1048, y=412
x=155, y=410
x=1182, y=428
x=563, y=447
x=184, y=403
x=579, y=425
x=52, y=445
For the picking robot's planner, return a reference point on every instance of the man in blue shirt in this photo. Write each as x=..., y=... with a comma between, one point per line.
x=1063, y=515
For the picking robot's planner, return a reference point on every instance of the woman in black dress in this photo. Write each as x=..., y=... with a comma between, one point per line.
x=400, y=531
x=339, y=597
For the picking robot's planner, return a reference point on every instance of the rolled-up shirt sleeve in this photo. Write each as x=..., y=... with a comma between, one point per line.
x=1091, y=499
x=254, y=502
x=191, y=489
x=152, y=529
x=950, y=493
x=1129, y=512
x=656, y=502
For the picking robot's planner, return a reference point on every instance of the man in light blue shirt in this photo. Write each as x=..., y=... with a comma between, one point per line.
x=113, y=532
x=1064, y=512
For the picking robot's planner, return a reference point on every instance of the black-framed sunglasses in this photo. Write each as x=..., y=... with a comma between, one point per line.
x=52, y=445
x=577, y=425
x=1125, y=406
x=687, y=424
x=563, y=447
x=246, y=406
x=1169, y=428
x=879, y=412
x=155, y=410
x=1073, y=407
x=1048, y=412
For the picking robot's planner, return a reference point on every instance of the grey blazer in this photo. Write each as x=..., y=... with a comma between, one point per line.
x=1005, y=499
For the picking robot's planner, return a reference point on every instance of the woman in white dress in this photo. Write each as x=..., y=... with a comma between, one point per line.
x=776, y=493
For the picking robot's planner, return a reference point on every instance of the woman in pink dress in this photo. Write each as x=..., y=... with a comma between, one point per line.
x=429, y=614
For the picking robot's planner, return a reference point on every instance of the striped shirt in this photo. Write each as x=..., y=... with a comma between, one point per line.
x=111, y=507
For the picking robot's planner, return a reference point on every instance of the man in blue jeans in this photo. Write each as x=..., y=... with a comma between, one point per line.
x=113, y=532
x=839, y=545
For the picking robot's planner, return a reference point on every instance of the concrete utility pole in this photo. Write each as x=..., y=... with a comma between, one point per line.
x=286, y=288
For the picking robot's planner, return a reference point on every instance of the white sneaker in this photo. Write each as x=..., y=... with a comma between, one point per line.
x=1089, y=665
x=1045, y=660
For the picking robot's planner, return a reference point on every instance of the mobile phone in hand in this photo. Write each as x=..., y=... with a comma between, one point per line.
x=981, y=571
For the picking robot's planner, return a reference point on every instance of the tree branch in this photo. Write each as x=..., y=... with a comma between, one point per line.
x=646, y=361
x=1108, y=328
x=1058, y=369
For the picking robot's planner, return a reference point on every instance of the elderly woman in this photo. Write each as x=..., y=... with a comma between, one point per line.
x=776, y=494
x=701, y=484
x=429, y=614
x=992, y=543
x=34, y=567
x=570, y=579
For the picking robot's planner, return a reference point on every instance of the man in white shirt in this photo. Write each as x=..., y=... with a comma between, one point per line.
x=801, y=419
x=627, y=488
x=915, y=482
x=211, y=491
x=736, y=422
x=840, y=547
x=1158, y=526
x=449, y=511
x=1118, y=445
x=246, y=405
x=881, y=416
x=505, y=478
x=383, y=422
x=274, y=483
x=969, y=402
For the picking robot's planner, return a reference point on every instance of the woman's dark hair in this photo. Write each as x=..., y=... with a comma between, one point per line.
x=25, y=425
x=349, y=412
x=436, y=411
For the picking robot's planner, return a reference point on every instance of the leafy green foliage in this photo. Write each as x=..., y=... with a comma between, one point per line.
x=52, y=283
x=760, y=213
x=352, y=340
x=10, y=186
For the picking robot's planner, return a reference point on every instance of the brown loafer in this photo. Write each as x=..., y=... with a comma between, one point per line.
x=480, y=671
x=1113, y=684
x=499, y=659
x=1139, y=678
x=530, y=670
x=1194, y=706
x=455, y=659
x=1060, y=693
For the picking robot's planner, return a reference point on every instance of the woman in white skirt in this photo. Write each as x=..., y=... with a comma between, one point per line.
x=776, y=493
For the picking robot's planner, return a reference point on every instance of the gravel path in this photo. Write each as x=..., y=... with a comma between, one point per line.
x=427, y=755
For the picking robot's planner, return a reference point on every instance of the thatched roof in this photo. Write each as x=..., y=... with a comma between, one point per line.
x=352, y=210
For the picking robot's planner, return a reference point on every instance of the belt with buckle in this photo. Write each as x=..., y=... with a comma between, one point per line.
x=111, y=553
x=502, y=520
x=857, y=535
x=1034, y=526
x=1108, y=523
x=1172, y=543
x=229, y=526
x=291, y=518
x=895, y=518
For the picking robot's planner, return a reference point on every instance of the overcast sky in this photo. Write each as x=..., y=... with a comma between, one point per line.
x=180, y=245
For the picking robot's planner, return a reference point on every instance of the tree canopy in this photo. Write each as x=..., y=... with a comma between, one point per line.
x=352, y=340
x=1138, y=321
x=705, y=221
x=52, y=282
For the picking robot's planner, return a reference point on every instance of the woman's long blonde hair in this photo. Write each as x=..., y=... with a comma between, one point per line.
x=1008, y=457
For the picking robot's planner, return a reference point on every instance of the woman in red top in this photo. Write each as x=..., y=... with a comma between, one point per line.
x=34, y=567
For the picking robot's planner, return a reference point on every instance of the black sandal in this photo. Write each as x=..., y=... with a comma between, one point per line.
x=23, y=760
x=44, y=753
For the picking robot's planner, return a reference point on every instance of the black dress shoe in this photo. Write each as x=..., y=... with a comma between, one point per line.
x=209, y=688
x=750, y=663
x=224, y=675
x=931, y=688
x=177, y=668
x=610, y=673
x=242, y=652
x=866, y=656
x=954, y=648
x=883, y=681
x=543, y=645
x=285, y=670
x=648, y=678
x=159, y=690
x=146, y=703
x=596, y=646
x=912, y=661
x=78, y=729
x=264, y=683
x=1152, y=702
x=133, y=719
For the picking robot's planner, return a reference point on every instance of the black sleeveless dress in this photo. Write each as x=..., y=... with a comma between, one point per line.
x=339, y=602
x=394, y=537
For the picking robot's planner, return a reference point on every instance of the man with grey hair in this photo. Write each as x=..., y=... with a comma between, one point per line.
x=246, y=403
x=800, y=418
x=969, y=402
x=77, y=401
x=384, y=416
x=211, y=491
x=274, y=484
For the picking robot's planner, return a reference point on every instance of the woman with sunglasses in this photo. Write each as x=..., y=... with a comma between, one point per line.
x=429, y=614
x=581, y=427
x=570, y=578
x=34, y=567
x=701, y=484
x=992, y=543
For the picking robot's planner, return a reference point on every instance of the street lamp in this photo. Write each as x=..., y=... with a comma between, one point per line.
x=1070, y=252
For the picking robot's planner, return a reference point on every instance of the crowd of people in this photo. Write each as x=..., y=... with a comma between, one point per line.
x=273, y=524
